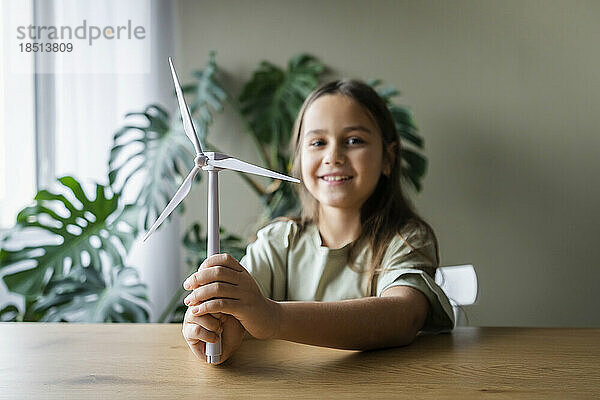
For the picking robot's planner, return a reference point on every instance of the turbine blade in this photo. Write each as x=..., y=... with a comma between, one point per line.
x=188, y=126
x=183, y=191
x=237, y=165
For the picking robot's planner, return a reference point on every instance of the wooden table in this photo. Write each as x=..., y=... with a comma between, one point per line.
x=40, y=360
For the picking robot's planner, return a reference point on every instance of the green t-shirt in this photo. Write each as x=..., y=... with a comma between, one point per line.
x=289, y=265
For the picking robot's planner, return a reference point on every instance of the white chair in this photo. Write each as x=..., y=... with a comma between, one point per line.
x=459, y=282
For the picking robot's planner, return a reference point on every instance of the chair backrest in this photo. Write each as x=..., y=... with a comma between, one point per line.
x=459, y=282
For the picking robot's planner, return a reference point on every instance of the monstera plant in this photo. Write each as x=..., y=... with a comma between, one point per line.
x=69, y=278
x=83, y=277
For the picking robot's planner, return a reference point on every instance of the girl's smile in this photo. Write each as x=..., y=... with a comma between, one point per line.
x=335, y=179
x=341, y=155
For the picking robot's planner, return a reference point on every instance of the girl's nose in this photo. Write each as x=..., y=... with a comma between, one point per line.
x=334, y=156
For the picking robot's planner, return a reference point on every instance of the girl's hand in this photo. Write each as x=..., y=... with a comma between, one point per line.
x=222, y=285
x=206, y=328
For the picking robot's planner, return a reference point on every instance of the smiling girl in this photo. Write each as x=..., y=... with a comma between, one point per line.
x=355, y=270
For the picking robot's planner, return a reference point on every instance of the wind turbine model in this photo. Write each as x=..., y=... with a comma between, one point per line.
x=213, y=163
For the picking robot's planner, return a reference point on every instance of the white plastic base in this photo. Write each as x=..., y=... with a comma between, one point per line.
x=213, y=352
x=213, y=359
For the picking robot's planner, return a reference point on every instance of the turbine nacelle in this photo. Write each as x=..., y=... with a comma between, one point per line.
x=201, y=160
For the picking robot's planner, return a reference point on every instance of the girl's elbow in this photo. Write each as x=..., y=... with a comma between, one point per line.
x=400, y=338
x=410, y=336
x=416, y=321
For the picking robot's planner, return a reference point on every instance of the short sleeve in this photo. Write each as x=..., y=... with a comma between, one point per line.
x=410, y=260
x=266, y=258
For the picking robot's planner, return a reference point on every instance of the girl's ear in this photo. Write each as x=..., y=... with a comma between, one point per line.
x=389, y=158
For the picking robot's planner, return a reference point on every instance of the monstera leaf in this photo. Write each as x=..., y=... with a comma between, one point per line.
x=159, y=151
x=270, y=102
x=413, y=164
x=9, y=313
x=85, y=295
x=209, y=96
x=95, y=227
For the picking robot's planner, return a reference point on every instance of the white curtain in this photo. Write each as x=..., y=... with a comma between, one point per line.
x=17, y=116
x=82, y=101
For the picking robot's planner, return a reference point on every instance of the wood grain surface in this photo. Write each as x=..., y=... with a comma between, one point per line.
x=76, y=361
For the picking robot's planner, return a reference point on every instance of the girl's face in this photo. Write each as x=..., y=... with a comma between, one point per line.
x=341, y=152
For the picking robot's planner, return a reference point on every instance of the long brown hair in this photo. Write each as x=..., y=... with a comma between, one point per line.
x=387, y=212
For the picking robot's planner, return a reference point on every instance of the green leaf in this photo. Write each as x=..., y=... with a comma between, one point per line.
x=414, y=167
x=209, y=96
x=388, y=92
x=272, y=98
x=98, y=221
x=9, y=313
x=405, y=125
x=86, y=296
x=159, y=153
x=413, y=164
x=374, y=83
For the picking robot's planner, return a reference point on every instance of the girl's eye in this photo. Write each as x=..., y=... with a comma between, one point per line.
x=351, y=141
x=355, y=141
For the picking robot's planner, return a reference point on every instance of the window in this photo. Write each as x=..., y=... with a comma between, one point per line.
x=17, y=122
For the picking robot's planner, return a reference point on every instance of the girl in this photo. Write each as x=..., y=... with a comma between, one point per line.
x=355, y=271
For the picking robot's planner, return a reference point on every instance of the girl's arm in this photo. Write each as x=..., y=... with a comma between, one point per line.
x=223, y=285
x=361, y=324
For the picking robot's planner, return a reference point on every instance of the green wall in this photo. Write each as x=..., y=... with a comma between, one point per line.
x=506, y=94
